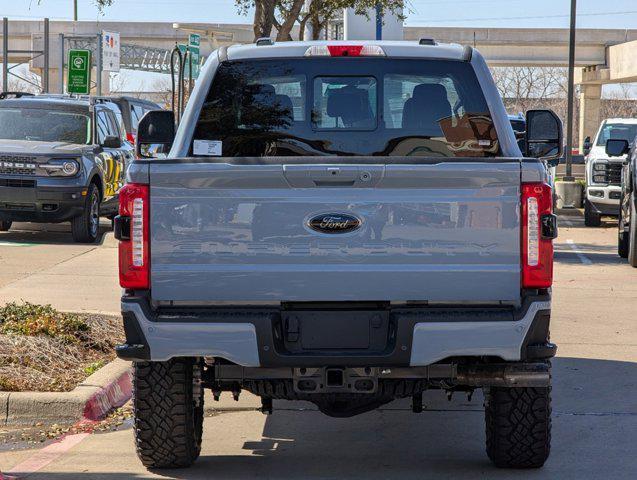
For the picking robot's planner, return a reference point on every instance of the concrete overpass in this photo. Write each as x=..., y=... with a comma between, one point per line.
x=529, y=46
x=620, y=67
x=606, y=56
x=501, y=46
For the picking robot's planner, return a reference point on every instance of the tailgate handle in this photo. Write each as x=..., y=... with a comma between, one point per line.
x=334, y=183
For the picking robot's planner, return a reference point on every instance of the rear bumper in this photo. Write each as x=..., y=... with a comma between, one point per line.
x=35, y=203
x=420, y=336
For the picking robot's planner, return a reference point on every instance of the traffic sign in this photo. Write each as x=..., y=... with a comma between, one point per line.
x=79, y=72
x=195, y=61
x=110, y=51
x=194, y=40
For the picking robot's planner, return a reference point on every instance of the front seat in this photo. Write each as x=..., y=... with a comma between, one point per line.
x=351, y=105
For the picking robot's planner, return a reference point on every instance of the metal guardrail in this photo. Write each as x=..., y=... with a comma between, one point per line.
x=133, y=57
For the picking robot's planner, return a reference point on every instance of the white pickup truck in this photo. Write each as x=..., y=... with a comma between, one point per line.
x=604, y=173
x=346, y=224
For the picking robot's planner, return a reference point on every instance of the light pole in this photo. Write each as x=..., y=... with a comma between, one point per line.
x=571, y=93
x=75, y=10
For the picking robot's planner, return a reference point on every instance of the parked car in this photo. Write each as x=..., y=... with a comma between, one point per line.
x=132, y=109
x=61, y=159
x=627, y=234
x=518, y=123
x=603, y=174
x=402, y=243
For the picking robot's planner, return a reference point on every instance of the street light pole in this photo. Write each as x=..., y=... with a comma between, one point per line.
x=75, y=10
x=571, y=93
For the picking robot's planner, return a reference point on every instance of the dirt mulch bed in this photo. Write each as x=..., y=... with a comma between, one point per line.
x=42, y=349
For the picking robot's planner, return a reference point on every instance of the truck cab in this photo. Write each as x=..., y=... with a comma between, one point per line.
x=604, y=173
x=345, y=223
x=627, y=225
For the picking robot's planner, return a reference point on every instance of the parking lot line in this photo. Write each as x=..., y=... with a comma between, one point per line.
x=15, y=244
x=583, y=258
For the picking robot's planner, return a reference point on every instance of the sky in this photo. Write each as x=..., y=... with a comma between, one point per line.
x=476, y=13
x=438, y=13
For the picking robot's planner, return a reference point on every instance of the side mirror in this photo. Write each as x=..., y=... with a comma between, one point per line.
x=553, y=162
x=616, y=147
x=544, y=138
x=155, y=134
x=111, y=141
x=587, y=145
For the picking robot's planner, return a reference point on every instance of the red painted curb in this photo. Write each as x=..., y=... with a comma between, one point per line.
x=111, y=396
x=45, y=456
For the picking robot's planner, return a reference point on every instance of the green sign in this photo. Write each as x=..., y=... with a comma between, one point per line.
x=195, y=61
x=194, y=40
x=79, y=72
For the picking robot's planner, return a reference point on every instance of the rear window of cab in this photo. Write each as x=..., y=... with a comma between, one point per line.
x=347, y=106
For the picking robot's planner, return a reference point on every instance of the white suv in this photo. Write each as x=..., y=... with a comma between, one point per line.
x=603, y=174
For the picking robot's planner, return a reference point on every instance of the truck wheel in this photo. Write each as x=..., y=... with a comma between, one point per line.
x=518, y=426
x=168, y=406
x=632, y=237
x=86, y=226
x=5, y=225
x=591, y=218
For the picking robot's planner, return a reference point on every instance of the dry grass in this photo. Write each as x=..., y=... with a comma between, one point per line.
x=45, y=350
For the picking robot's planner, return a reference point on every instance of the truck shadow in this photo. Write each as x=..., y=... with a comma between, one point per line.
x=575, y=219
x=594, y=433
x=597, y=254
x=48, y=234
x=595, y=424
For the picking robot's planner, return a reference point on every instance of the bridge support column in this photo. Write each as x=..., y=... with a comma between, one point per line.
x=590, y=112
x=54, y=81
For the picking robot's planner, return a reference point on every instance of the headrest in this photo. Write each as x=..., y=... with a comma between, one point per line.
x=348, y=102
x=284, y=102
x=263, y=88
x=430, y=90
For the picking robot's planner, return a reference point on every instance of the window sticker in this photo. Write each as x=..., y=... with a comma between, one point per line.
x=209, y=148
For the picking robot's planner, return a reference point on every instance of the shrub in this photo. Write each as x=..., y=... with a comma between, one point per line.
x=31, y=320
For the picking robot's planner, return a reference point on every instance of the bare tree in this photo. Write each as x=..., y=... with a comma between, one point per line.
x=526, y=87
x=29, y=83
x=620, y=103
x=163, y=92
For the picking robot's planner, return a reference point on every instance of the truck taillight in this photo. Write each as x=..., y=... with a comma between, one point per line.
x=539, y=228
x=131, y=229
x=345, y=51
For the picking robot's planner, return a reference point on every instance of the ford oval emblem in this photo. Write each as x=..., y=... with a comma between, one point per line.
x=334, y=223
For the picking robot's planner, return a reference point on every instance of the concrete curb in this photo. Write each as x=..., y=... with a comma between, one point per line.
x=110, y=387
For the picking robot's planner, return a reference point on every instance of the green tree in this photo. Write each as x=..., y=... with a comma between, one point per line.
x=285, y=14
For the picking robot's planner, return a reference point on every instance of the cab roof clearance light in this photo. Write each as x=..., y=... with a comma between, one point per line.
x=345, y=51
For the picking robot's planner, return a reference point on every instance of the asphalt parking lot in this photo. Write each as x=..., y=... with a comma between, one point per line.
x=594, y=378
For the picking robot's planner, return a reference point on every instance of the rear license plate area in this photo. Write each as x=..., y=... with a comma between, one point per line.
x=329, y=331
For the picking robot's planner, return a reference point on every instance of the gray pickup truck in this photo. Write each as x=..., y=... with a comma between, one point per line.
x=346, y=224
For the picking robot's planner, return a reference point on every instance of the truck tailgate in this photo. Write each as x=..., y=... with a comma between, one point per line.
x=224, y=232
